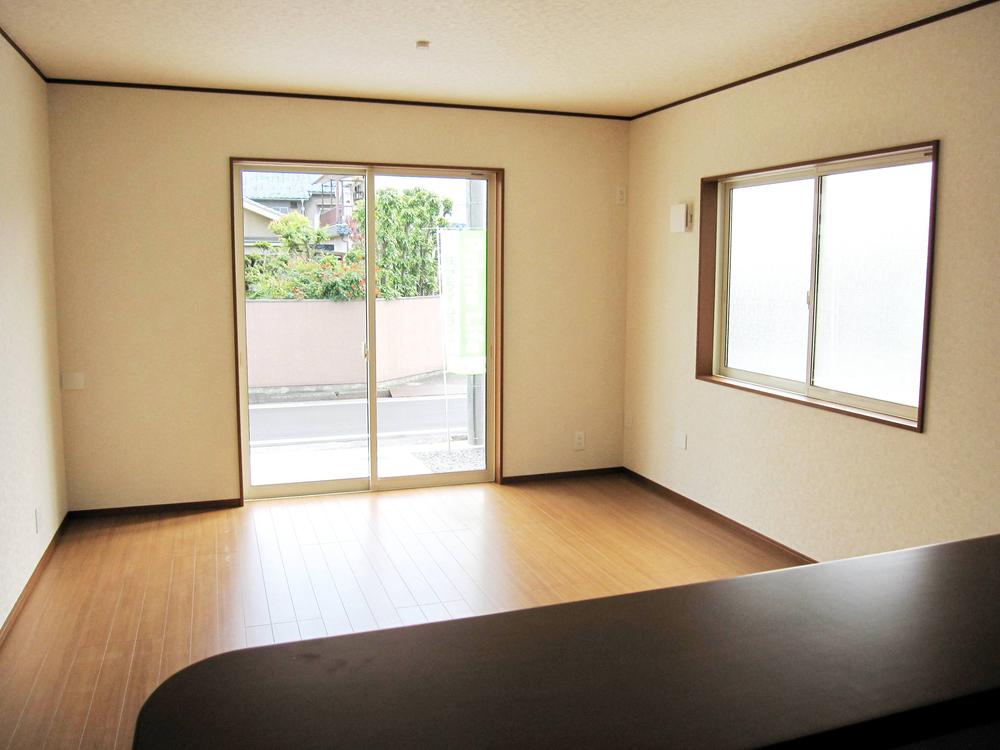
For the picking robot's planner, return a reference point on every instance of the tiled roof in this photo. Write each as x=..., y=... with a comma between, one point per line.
x=291, y=186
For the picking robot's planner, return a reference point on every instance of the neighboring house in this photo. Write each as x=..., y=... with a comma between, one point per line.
x=257, y=220
x=326, y=200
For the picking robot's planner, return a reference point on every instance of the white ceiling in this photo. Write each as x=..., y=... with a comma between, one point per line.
x=577, y=55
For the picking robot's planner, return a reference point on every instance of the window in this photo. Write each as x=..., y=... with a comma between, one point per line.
x=814, y=282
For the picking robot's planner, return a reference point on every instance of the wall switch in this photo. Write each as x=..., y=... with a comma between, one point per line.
x=681, y=440
x=73, y=381
x=579, y=441
x=621, y=195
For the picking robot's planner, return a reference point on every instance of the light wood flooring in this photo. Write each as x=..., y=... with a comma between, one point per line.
x=127, y=601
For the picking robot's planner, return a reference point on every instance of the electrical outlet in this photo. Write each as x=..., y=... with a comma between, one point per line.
x=579, y=441
x=621, y=195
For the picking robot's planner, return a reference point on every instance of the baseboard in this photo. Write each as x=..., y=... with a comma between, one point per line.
x=714, y=515
x=137, y=509
x=8, y=622
x=562, y=475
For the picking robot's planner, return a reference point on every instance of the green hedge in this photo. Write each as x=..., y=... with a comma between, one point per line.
x=275, y=273
x=406, y=256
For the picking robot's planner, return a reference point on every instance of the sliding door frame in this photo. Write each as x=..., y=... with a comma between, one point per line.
x=494, y=404
x=248, y=490
x=489, y=473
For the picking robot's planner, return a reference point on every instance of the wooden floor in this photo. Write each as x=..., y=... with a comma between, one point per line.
x=127, y=601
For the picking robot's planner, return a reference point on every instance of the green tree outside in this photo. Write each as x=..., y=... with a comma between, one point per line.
x=406, y=225
x=406, y=253
x=298, y=235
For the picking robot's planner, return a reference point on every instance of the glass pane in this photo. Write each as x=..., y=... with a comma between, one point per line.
x=430, y=324
x=304, y=263
x=770, y=244
x=872, y=276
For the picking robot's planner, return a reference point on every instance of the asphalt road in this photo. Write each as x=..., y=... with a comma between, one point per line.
x=316, y=421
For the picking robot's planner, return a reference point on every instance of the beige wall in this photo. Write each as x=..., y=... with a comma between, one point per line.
x=408, y=336
x=321, y=342
x=305, y=342
x=255, y=225
x=145, y=301
x=31, y=468
x=824, y=483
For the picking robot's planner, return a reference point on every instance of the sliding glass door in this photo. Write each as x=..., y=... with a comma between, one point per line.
x=431, y=325
x=365, y=328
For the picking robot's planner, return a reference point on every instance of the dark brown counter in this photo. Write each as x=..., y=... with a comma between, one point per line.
x=885, y=650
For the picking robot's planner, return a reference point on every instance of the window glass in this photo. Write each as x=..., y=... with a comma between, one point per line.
x=872, y=273
x=770, y=244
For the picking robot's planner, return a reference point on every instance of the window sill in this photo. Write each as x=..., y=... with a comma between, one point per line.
x=798, y=398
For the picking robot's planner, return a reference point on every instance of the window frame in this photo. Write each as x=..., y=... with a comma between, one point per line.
x=713, y=286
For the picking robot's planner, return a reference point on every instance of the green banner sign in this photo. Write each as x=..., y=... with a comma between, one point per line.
x=463, y=297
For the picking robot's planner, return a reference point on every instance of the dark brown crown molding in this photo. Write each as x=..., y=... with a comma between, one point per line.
x=23, y=54
x=516, y=110
x=334, y=98
x=819, y=56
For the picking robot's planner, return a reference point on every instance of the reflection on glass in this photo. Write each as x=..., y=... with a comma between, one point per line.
x=770, y=245
x=304, y=265
x=430, y=324
x=872, y=275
